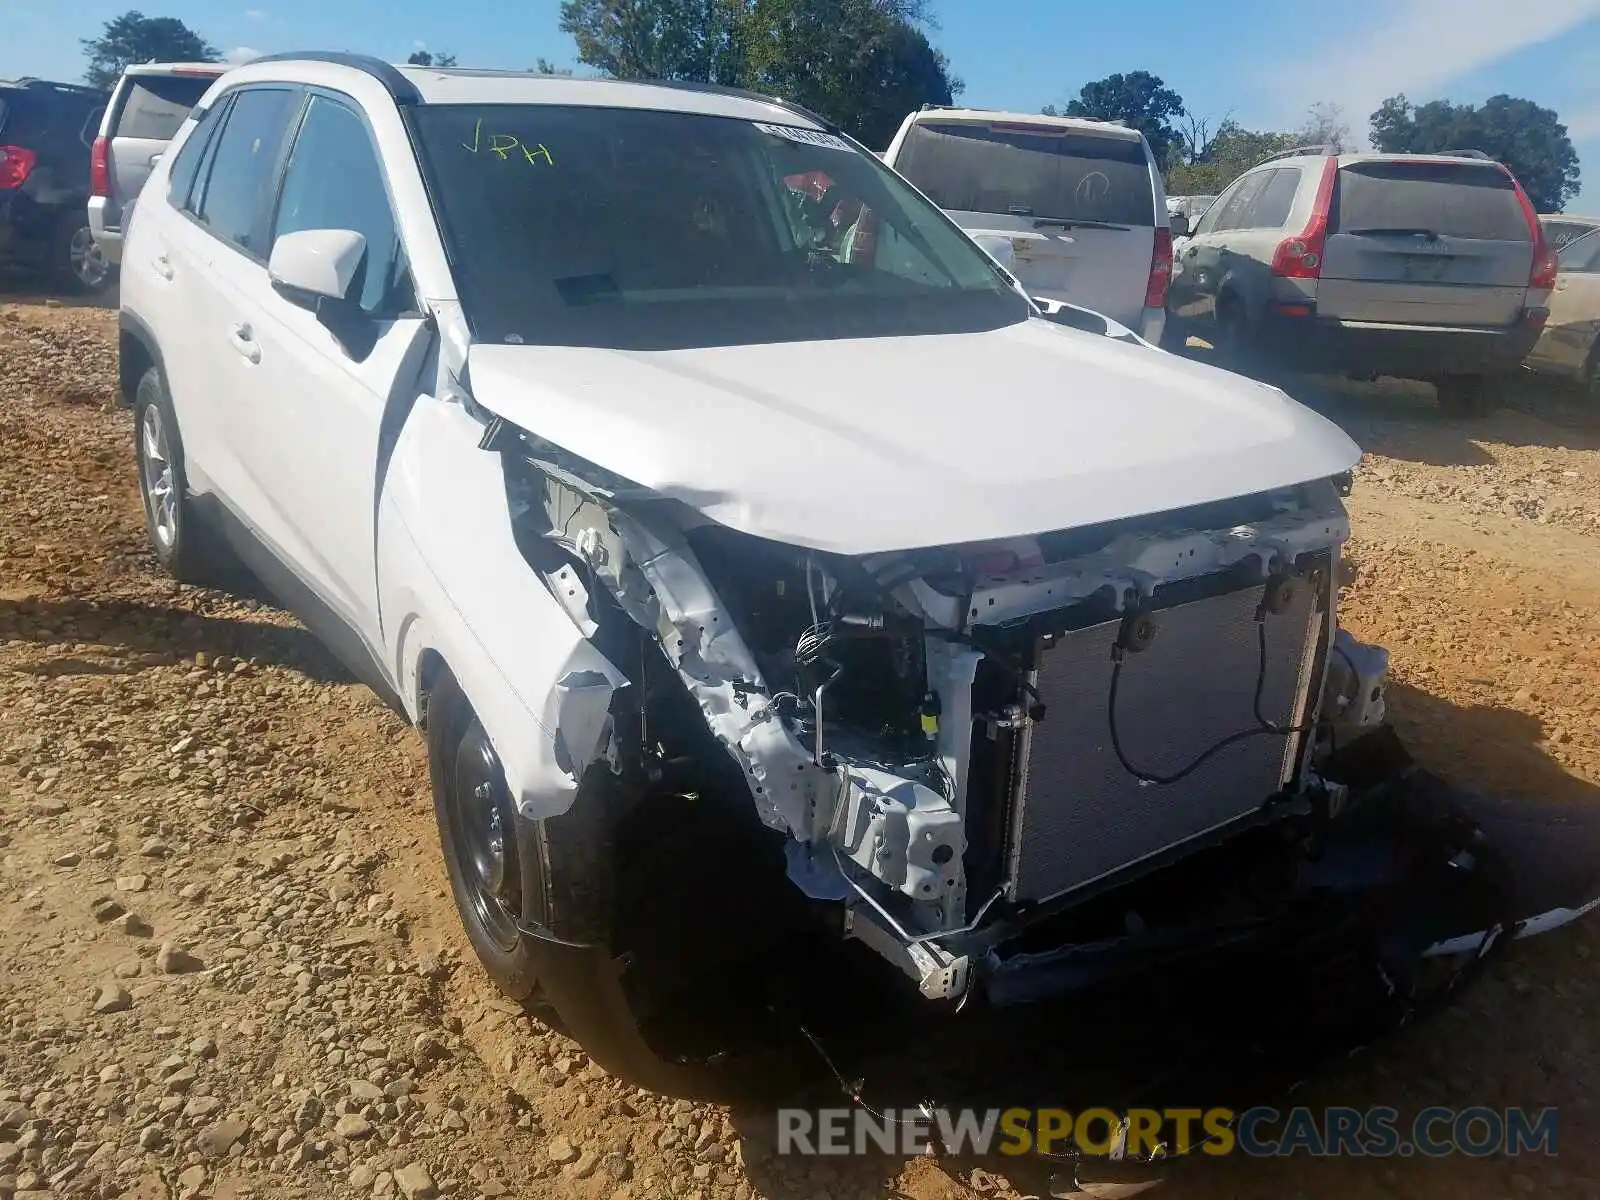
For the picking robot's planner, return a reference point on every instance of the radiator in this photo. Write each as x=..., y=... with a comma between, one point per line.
x=1078, y=815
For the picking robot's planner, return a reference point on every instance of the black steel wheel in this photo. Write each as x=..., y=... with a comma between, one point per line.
x=484, y=833
x=479, y=833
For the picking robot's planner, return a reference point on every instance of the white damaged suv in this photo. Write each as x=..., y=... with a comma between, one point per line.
x=806, y=629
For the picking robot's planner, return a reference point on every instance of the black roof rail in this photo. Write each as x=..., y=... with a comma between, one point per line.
x=41, y=85
x=718, y=89
x=400, y=89
x=1298, y=151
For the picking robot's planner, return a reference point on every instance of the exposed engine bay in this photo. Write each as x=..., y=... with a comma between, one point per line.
x=961, y=744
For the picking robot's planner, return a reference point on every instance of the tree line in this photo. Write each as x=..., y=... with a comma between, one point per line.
x=1201, y=160
x=866, y=63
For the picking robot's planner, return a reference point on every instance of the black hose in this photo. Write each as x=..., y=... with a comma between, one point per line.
x=1262, y=726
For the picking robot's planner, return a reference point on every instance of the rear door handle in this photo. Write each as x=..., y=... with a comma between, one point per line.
x=163, y=266
x=244, y=342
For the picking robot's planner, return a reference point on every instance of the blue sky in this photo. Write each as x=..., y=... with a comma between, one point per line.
x=1263, y=63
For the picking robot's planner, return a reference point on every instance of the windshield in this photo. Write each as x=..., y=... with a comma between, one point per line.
x=1464, y=200
x=644, y=229
x=1040, y=171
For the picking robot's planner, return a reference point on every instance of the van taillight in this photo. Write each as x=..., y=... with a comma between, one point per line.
x=100, y=167
x=16, y=164
x=1300, y=256
x=1155, y=292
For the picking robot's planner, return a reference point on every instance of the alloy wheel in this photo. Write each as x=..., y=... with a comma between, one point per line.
x=156, y=477
x=89, y=265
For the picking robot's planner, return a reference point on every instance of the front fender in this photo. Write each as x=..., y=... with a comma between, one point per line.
x=452, y=581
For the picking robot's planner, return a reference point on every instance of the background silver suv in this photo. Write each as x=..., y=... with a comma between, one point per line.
x=1421, y=266
x=150, y=103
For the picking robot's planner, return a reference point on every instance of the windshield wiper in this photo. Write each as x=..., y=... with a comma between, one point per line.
x=1397, y=231
x=1077, y=223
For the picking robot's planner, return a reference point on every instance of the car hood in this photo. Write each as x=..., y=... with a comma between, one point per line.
x=874, y=444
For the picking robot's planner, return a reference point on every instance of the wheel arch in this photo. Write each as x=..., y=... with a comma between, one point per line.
x=137, y=352
x=456, y=595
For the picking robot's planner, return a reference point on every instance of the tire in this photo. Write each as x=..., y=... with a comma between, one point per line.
x=78, y=267
x=1466, y=396
x=185, y=546
x=555, y=962
x=1589, y=381
x=1234, y=343
x=478, y=832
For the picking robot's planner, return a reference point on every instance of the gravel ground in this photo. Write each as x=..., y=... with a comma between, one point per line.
x=232, y=968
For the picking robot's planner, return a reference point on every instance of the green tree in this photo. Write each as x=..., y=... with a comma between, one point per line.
x=136, y=38
x=862, y=63
x=426, y=58
x=694, y=40
x=1528, y=138
x=1139, y=99
x=1226, y=155
x=543, y=66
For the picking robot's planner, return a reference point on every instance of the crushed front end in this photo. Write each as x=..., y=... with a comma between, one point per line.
x=1022, y=773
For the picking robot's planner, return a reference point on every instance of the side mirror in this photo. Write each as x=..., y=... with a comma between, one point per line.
x=317, y=269
x=1180, y=225
x=313, y=265
x=998, y=248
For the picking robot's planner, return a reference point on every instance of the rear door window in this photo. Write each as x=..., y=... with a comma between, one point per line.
x=232, y=198
x=1029, y=171
x=1276, y=199
x=1463, y=200
x=186, y=167
x=156, y=106
x=1234, y=212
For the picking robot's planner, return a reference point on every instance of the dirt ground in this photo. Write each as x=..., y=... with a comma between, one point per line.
x=229, y=965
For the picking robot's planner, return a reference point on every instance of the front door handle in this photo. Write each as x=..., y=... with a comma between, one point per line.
x=244, y=342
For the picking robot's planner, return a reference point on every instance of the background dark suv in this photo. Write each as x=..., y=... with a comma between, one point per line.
x=46, y=131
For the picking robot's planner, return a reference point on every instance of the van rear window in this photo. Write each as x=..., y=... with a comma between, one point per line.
x=1029, y=171
x=156, y=105
x=1462, y=200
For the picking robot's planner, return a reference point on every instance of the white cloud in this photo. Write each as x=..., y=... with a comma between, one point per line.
x=255, y=14
x=241, y=54
x=419, y=44
x=1418, y=47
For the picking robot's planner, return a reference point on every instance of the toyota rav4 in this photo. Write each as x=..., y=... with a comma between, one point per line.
x=810, y=632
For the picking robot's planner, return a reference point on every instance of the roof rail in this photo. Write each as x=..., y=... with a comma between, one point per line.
x=1299, y=151
x=29, y=81
x=400, y=89
x=719, y=89
x=1463, y=154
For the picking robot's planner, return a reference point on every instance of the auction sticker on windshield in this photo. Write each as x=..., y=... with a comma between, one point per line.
x=808, y=137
